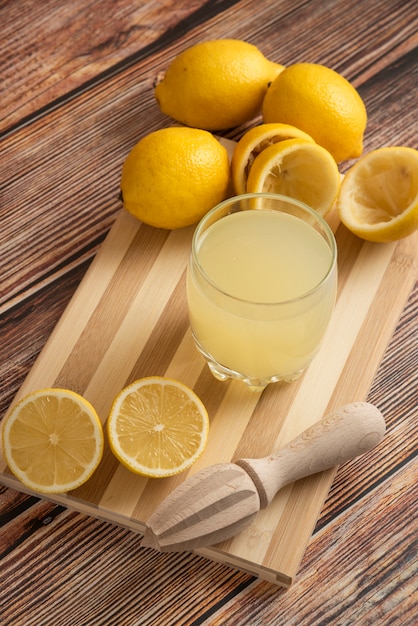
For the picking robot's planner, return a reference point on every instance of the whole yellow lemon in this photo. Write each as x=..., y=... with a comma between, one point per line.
x=173, y=176
x=323, y=104
x=217, y=84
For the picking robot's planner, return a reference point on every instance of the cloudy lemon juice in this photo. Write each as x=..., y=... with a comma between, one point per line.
x=261, y=288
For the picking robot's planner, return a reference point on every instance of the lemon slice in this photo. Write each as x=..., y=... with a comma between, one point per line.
x=157, y=427
x=299, y=169
x=252, y=143
x=378, y=200
x=52, y=440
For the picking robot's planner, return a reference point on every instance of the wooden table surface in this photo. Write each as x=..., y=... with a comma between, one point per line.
x=76, y=94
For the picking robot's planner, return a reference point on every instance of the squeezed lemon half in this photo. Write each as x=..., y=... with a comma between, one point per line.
x=378, y=200
x=255, y=141
x=297, y=168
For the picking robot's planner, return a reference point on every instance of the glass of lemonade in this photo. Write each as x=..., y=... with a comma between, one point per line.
x=261, y=286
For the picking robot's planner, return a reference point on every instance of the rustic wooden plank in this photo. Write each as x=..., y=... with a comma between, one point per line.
x=385, y=125
x=62, y=573
x=377, y=569
x=24, y=517
x=75, y=44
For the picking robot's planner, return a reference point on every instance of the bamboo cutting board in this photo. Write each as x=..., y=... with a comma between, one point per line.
x=128, y=319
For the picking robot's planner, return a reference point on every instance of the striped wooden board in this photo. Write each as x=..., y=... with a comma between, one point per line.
x=128, y=319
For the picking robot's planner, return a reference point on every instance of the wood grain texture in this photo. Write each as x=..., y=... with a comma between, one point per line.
x=65, y=131
x=92, y=42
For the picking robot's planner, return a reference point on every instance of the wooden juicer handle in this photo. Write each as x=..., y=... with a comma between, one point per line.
x=350, y=431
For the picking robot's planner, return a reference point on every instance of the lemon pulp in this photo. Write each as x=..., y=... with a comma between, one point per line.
x=157, y=427
x=53, y=440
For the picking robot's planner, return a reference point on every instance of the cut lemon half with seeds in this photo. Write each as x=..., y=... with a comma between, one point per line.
x=157, y=427
x=255, y=141
x=297, y=168
x=52, y=440
x=378, y=200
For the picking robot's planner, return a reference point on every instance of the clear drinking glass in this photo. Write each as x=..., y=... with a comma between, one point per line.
x=261, y=286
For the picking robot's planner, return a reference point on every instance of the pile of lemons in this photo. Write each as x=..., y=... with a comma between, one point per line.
x=313, y=119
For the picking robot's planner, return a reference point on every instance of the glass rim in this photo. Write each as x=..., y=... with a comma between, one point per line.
x=246, y=196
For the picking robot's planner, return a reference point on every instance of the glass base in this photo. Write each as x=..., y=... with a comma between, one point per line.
x=223, y=373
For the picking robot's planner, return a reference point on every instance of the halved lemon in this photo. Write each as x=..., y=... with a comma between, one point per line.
x=378, y=200
x=157, y=427
x=255, y=141
x=52, y=440
x=297, y=168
